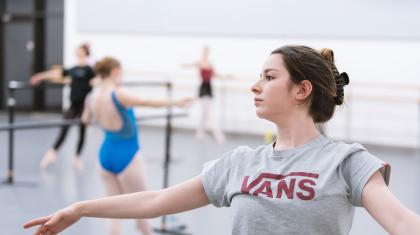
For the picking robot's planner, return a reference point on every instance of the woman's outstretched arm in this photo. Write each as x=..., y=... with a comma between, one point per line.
x=132, y=100
x=55, y=75
x=190, y=65
x=142, y=205
x=387, y=210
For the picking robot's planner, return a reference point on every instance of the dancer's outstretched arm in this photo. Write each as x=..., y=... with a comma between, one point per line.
x=148, y=204
x=387, y=210
x=54, y=75
x=129, y=99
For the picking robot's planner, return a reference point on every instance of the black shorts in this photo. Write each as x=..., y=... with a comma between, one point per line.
x=75, y=110
x=205, y=90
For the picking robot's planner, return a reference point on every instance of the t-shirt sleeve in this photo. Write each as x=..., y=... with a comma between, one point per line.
x=66, y=72
x=215, y=176
x=357, y=168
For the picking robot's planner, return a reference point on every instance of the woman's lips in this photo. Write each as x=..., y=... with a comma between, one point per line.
x=257, y=101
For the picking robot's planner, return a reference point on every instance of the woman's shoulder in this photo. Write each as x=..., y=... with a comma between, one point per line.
x=344, y=146
x=120, y=93
x=341, y=151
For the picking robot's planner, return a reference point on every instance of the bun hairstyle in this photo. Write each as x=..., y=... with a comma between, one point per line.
x=104, y=67
x=305, y=63
x=86, y=48
x=341, y=79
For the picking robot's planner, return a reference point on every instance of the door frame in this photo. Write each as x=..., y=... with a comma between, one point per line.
x=2, y=78
x=38, y=17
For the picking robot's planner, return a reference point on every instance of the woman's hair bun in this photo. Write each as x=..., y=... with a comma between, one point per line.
x=341, y=79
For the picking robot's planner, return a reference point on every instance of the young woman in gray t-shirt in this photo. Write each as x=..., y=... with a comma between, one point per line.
x=303, y=183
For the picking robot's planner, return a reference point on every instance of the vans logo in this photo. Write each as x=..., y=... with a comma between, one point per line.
x=300, y=185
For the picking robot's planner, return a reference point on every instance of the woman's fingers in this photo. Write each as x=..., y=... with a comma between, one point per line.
x=54, y=220
x=38, y=221
x=41, y=230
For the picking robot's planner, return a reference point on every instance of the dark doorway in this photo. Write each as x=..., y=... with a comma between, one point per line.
x=31, y=40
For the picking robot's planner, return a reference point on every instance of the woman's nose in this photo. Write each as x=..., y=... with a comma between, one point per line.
x=256, y=88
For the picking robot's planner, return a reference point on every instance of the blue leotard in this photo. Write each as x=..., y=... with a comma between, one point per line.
x=120, y=147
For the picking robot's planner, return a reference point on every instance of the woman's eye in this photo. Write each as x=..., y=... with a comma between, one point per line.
x=268, y=77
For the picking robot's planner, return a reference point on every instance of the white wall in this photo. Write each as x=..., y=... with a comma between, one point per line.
x=267, y=18
x=373, y=61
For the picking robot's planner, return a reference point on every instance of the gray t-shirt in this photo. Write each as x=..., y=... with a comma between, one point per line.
x=311, y=189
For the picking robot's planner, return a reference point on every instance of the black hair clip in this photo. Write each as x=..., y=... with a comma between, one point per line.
x=344, y=78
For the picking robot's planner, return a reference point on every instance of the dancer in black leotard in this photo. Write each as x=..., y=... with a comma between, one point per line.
x=80, y=78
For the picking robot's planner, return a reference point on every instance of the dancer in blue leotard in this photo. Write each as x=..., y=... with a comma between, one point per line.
x=110, y=107
x=122, y=143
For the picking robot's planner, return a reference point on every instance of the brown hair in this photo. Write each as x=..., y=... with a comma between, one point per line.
x=305, y=63
x=86, y=48
x=104, y=67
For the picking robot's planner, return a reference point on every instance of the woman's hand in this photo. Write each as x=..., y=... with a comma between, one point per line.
x=183, y=103
x=35, y=79
x=56, y=222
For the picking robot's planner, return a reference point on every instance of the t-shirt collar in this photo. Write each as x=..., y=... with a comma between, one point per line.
x=320, y=139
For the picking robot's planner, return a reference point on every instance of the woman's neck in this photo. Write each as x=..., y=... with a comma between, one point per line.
x=108, y=83
x=295, y=132
x=83, y=62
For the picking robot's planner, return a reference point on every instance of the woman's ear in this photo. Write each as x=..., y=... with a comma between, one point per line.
x=304, y=90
